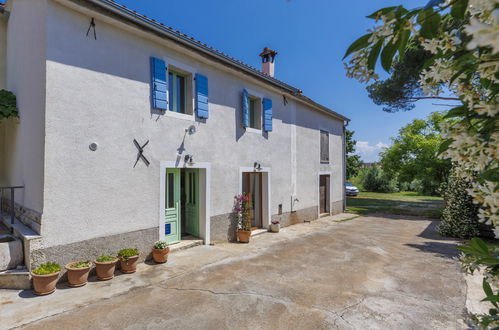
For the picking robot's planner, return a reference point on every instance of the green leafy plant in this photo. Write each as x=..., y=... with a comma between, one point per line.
x=459, y=218
x=47, y=268
x=124, y=254
x=375, y=179
x=80, y=264
x=106, y=258
x=478, y=255
x=8, y=104
x=160, y=245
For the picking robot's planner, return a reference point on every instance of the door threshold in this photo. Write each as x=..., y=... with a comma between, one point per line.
x=186, y=243
x=322, y=215
x=258, y=231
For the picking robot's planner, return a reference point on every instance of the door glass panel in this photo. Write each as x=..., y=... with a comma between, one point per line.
x=170, y=203
x=252, y=186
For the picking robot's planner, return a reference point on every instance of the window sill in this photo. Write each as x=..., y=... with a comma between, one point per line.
x=178, y=115
x=323, y=162
x=254, y=130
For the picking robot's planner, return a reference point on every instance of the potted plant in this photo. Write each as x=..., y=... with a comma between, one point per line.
x=160, y=252
x=241, y=208
x=275, y=226
x=129, y=258
x=78, y=273
x=104, y=267
x=45, y=278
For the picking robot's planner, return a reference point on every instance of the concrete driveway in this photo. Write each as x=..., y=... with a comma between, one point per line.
x=375, y=272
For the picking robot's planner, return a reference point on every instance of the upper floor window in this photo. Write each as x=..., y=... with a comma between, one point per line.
x=255, y=113
x=177, y=92
x=324, y=147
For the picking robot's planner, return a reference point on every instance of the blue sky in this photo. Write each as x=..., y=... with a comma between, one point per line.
x=311, y=37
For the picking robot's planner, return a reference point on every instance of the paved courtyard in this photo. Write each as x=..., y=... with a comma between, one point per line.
x=374, y=272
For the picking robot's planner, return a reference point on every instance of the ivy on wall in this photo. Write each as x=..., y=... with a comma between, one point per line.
x=8, y=105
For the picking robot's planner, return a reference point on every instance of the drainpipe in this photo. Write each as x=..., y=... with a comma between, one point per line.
x=345, y=124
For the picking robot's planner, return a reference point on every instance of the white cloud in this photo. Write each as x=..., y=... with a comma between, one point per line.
x=368, y=152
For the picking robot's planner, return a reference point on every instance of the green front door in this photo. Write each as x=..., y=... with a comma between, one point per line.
x=192, y=201
x=172, y=205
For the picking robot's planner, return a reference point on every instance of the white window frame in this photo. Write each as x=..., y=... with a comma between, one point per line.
x=258, y=107
x=328, y=146
x=190, y=73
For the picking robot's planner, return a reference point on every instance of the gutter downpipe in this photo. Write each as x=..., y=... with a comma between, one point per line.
x=345, y=124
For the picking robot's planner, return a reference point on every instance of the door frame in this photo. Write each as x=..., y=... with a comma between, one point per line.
x=204, y=197
x=319, y=194
x=266, y=191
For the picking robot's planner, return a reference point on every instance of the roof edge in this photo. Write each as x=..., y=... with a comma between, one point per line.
x=187, y=41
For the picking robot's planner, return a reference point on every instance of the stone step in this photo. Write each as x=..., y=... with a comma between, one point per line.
x=185, y=244
x=258, y=231
x=16, y=279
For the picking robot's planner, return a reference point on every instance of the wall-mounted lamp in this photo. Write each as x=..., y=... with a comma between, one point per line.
x=257, y=166
x=188, y=160
x=191, y=130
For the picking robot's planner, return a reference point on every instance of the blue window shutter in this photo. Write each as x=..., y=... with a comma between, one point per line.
x=267, y=115
x=245, y=117
x=158, y=84
x=201, y=96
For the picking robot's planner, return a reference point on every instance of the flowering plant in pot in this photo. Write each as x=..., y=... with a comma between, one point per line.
x=105, y=266
x=242, y=210
x=129, y=258
x=78, y=273
x=275, y=226
x=45, y=278
x=160, y=252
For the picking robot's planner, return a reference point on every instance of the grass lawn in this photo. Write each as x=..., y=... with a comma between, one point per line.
x=402, y=203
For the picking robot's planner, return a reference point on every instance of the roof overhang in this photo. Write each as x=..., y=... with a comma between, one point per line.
x=118, y=11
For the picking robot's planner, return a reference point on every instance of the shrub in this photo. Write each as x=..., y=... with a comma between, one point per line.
x=160, y=245
x=374, y=179
x=47, y=268
x=80, y=264
x=106, y=258
x=460, y=215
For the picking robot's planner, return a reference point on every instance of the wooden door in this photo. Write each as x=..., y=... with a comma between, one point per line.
x=252, y=185
x=324, y=194
x=192, y=202
x=172, y=206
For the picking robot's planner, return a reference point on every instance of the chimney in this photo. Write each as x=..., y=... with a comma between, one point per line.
x=268, y=58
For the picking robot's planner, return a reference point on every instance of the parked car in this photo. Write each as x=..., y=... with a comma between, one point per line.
x=351, y=190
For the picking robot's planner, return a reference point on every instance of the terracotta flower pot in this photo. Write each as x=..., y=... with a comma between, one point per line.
x=77, y=276
x=160, y=256
x=105, y=270
x=243, y=236
x=130, y=265
x=44, y=284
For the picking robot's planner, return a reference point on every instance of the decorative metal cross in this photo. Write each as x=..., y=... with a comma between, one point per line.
x=140, y=153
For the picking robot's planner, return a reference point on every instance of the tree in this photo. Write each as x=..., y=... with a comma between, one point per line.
x=402, y=89
x=463, y=39
x=8, y=106
x=413, y=154
x=353, y=161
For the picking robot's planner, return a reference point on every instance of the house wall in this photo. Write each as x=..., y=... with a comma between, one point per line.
x=23, y=139
x=91, y=194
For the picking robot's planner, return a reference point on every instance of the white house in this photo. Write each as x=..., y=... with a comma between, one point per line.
x=95, y=82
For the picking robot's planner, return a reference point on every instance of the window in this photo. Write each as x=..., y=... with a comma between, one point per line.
x=255, y=113
x=170, y=198
x=325, y=147
x=177, y=92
